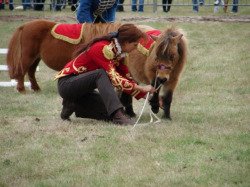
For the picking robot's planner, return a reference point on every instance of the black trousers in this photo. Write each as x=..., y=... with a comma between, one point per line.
x=120, y=5
x=89, y=103
x=38, y=6
x=166, y=8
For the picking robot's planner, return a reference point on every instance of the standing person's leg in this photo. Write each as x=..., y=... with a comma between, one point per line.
x=134, y=5
x=235, y=6
x=85, y=11
x=169, y=5
x=24, y=4
x=109, y=14
x=120, y=6
x=58, y=5
x=164, y=7
x=28, y=4
x=216, y=6
x=73, y=5
x=11, y=6
x=225, y=5
x=195, y=6
x=201, y=2
x=141, y=5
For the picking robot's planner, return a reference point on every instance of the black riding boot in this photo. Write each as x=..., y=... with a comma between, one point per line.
x=68, y=109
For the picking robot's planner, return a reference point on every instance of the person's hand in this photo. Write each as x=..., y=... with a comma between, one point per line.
x=147, y=88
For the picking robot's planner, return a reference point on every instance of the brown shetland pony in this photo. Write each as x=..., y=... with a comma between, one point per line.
x=163, y=65
x=33, y=41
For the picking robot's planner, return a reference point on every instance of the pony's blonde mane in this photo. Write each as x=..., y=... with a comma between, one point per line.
x=96, y=30
x=165, y=34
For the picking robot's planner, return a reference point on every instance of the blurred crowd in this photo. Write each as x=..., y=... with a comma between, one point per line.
x=136, y=5
x=56, y=5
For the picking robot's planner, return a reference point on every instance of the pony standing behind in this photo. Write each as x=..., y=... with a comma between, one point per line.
x=33, y=41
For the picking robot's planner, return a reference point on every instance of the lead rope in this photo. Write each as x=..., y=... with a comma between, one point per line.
x=151, y=113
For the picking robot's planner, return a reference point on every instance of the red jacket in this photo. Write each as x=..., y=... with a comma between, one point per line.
x=103, y=55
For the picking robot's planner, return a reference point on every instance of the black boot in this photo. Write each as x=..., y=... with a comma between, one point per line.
x=120, y=118
x=67, y=110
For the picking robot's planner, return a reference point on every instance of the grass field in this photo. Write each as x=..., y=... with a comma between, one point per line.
x=206, y=143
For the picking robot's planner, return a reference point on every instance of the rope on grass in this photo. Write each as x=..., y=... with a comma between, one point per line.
x=151, y=112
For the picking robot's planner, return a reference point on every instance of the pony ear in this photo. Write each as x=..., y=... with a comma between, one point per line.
x=176, y=39
x=154, y=37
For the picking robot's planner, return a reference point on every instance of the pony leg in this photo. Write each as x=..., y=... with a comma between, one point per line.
x=154, y=101
x=20, y=84
x=167, y=100
x=127, y=102
x=32, y=78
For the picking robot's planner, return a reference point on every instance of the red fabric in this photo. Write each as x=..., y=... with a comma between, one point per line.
x=72, y=31
x=148, y=42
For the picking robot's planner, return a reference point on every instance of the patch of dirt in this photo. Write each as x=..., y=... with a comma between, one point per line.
x=190, y=19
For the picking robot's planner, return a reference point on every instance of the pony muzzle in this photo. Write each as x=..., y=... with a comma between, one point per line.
x=163, y=73
x=162, y=80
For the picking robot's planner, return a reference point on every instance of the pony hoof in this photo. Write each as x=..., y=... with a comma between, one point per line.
x=21, y=91
x=36, y=89
x=167, y=117
x=130, y=113
x=155, y=110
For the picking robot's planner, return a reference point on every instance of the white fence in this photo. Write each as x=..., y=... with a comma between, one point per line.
x=12, y=82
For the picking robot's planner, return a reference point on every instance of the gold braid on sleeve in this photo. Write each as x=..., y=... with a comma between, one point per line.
x=118, y=81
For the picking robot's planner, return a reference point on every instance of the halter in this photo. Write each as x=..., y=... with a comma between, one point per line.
x=162, y=67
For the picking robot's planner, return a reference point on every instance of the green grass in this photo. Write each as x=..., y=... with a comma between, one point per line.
x=206, y=143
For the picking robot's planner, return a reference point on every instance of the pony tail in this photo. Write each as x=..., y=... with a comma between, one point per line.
x=85, y=47
x=14, y=54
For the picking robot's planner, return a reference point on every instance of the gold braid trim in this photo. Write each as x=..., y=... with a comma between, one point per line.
x=108, y=52
x=135, y=93
x=65, y=38
x=118, y=81
x=61, y=73
x=79, y=69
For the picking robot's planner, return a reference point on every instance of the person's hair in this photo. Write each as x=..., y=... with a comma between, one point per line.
x=126, y=33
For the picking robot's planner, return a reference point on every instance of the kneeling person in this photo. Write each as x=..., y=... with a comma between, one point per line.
x=100, y=65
